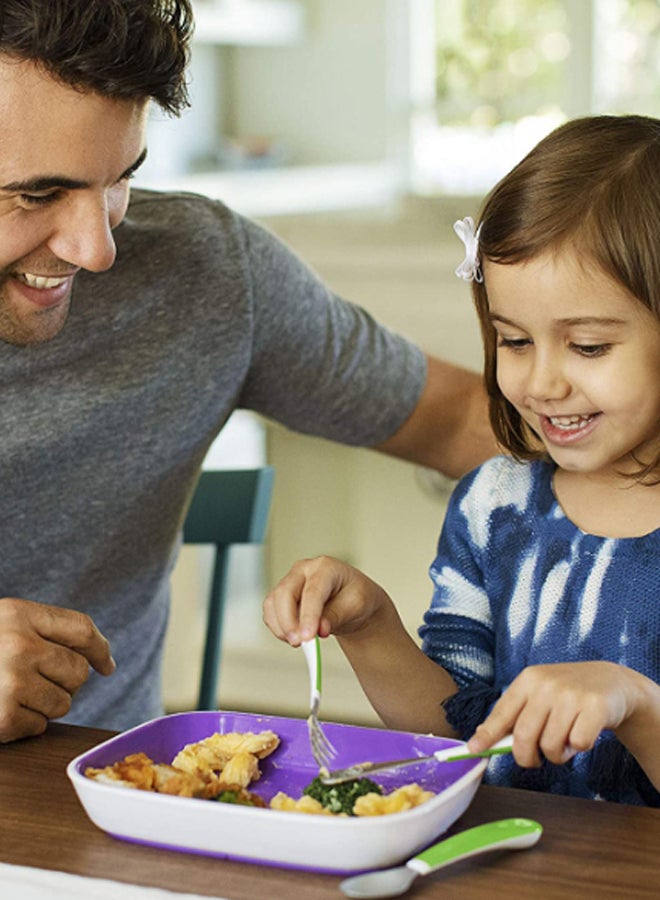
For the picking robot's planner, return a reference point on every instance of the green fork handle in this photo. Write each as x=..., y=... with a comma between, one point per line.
x=312, y=651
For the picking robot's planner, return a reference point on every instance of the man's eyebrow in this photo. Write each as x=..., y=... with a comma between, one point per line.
x=50, y=182
x=135, y=166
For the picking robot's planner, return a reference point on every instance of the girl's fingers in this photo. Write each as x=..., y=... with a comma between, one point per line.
x=294, y=609
x=558, y=710
x=527, y=732
x=499, y=723
x=514, y=713
x=324, y=580
x=585, y=729
x=281, y=607
x=555, y=741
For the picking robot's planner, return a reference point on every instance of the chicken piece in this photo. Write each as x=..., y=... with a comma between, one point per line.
x=134, y=771
x=213, y=753
x=241, y=769
x=140, y=772
x=168, y=780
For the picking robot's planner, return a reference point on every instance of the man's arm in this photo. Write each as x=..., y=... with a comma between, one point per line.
x=449, y=428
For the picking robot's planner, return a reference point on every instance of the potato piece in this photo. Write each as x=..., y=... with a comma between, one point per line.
x=305, y=804
x=405, y=797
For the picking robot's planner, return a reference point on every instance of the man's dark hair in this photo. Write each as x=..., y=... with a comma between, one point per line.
x=119, y=48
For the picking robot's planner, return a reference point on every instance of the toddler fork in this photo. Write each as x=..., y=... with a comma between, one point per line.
x=322, y=749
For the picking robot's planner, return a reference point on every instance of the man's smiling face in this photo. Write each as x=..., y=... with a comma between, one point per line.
x=66, y=157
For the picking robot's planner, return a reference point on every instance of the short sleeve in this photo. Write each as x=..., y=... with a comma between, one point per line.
x=319, y=364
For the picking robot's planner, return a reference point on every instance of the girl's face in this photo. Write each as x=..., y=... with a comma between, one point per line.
x=579, y=359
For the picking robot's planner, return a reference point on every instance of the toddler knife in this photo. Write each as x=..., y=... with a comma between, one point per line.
x=449, y=754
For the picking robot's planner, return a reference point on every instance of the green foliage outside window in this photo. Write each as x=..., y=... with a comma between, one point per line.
x=501, y=60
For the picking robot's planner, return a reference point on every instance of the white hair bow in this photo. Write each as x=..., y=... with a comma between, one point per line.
x=469, y=269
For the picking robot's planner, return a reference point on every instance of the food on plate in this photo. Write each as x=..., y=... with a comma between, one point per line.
x=405, y=797
x=241, y=769
x=221, y=767
x=140, y=772
x=214, y=753
x=221, y=762
x=340, y=798
x=240, y=797
x=360, y=797
x=304, y=804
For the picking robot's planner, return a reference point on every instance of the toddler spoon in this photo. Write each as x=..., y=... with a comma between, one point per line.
x=505, y=834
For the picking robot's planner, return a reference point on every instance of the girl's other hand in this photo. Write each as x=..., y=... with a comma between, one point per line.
x=560, y=710
x=321, y=596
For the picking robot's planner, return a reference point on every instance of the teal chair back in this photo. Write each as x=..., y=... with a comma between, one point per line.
x=228, y=507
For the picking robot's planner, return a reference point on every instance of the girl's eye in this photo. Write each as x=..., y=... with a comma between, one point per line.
x=592, y=350
x=513, y=343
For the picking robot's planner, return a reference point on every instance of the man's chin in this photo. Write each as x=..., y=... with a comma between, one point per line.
x=38, y=328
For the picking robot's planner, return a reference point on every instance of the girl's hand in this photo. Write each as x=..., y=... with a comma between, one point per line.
x=560, y=709
x=325, y=596
x=322, y=596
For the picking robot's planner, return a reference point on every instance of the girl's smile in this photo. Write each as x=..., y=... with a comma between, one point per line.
x=579, y=359
x=565, y=430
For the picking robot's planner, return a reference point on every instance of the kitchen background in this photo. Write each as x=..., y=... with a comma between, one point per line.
x=358, y=132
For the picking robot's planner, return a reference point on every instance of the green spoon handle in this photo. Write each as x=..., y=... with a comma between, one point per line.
x=511, y=834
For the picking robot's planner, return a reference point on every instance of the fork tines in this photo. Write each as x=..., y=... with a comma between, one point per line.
x=323, y=749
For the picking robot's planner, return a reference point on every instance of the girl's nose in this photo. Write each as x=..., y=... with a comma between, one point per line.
x=547, y=380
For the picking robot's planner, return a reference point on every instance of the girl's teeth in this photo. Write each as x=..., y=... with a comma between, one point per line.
x=570, y=421
x=41, y=282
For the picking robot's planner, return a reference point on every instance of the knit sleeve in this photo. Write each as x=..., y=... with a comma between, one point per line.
x=458, y=629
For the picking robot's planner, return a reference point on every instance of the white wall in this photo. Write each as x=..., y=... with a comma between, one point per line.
x=326, y=97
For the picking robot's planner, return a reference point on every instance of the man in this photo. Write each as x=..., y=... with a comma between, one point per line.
x=128, y=334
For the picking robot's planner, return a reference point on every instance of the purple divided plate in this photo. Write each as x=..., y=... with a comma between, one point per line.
x=325, y=843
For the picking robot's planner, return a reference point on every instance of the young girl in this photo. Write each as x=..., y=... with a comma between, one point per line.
x=545, y=617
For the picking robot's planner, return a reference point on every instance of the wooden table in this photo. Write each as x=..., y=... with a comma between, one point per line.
x=588, y=849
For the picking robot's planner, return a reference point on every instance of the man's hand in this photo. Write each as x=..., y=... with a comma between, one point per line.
x=45, y=655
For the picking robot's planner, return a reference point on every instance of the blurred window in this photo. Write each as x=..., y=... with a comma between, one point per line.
x=491, y=77
x=627, y=70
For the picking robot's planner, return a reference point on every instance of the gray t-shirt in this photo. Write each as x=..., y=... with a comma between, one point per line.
x=105, y=427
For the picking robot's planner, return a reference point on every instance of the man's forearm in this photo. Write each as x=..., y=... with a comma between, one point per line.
x=449, y=429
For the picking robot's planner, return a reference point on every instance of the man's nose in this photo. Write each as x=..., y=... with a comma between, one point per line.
x=82, y=235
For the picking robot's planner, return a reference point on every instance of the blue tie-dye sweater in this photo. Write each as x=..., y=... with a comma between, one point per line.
x=518, y=584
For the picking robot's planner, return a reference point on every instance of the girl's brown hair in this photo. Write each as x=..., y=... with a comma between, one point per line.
x=129, y=49
x=593, y=183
